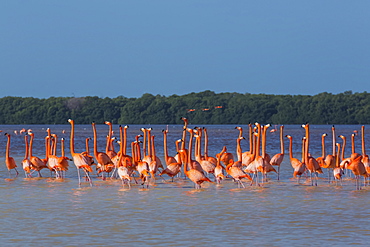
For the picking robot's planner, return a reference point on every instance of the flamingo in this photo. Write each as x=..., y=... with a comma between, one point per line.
x=26, y=163
x=345, y=161
x=298, y=166
x=218, y=169
x=104, y=162
x=178, y=148
x=265, y=155
x=293, y=161
x=145, y=133
x=168, y=159
x=123, y=172
x=321, y=159
x=311, y=163
x=81, y=161
x=274, y=129
x=266, y=166
x=150, y=157
x=173, y=168
x=258, y=162
x=183, y=142
x=278, y=158
x=248, y=156
x=239, y=152
x=183, y=153
x=206, y=157
x=109, y=150
x=128, y=161
x=356, y=165
x=236, y=173
x=338, y=171
x=206, y=165
x=37, y=163
x=354, y=155
x=358, y=169
x=330, y=158
x=9, y=161
x=197, y=146
x=63, y=160
x=234, y=170
x=87, y=152
x=240, y=130
x=301, y=168
x=226, y=157
x=153, y=165
x=125, y=139
x=52, y=158
x=365, y=157
x=196, y=176
x=141, y=166
x=117, y=161
x=184, y=132
x=123, y=163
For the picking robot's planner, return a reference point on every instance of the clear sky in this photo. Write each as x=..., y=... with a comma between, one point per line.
x=112, y=48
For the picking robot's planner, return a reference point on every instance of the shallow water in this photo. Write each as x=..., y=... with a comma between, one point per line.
x=47, y=211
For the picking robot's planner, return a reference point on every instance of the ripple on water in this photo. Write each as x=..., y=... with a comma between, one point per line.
x=47, y=211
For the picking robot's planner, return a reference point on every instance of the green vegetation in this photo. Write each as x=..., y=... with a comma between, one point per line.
x=200, y=108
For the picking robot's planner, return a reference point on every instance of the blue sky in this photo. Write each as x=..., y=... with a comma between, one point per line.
x=112, y=48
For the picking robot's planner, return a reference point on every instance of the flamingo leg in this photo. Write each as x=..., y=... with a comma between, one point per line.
x=164, y=180
x=241, y=183
x=88, y=177
x=114, y=172
x=79, y=177
x=257, y=183
x=129, y=184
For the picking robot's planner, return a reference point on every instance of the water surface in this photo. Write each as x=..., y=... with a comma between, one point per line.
x=47, y=211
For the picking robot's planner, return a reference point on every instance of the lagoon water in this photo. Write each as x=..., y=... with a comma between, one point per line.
x=47, y=211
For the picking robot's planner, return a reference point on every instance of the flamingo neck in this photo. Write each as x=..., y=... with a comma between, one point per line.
x=95, y=141
x=30, y=147
x=343, y=148
x=282, y=139
x=7, y=146
x=323, y=146
x=334, y=141
x=62, y=147
x=165, y=148
x=239, y=149
x=290, y=148
x=124, y=140
x=72, y=139
x=26, y=142
x=363, y=140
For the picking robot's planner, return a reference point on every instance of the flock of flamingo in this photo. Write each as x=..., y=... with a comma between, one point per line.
x=144, y=165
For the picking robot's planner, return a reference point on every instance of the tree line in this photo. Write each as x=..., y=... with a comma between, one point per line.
x=205, y=107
